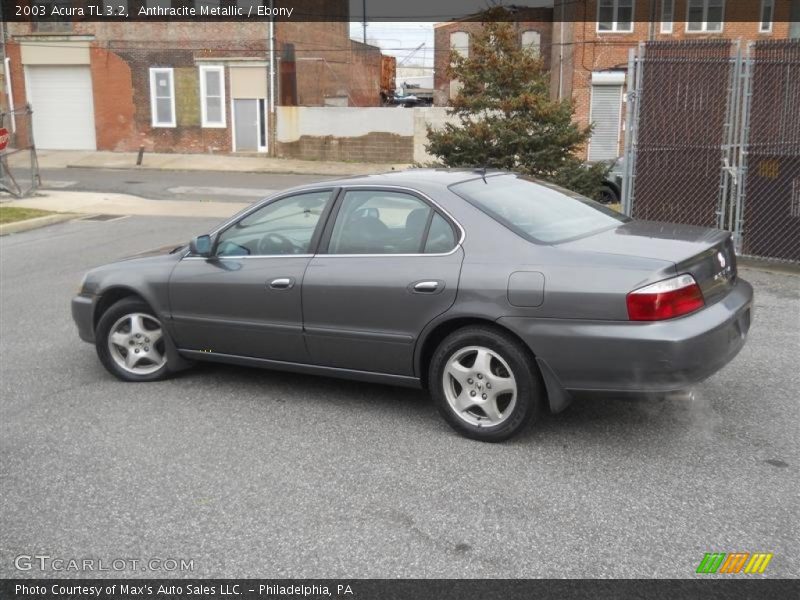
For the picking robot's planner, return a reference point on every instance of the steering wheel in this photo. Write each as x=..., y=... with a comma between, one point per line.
x=275, y=243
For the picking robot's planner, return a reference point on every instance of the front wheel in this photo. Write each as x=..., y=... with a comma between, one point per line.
x=130, y=342
x=485, y=384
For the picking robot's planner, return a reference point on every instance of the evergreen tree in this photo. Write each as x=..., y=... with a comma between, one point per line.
x=506, y=119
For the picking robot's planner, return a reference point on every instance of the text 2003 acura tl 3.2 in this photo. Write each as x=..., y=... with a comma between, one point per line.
x=498, y=294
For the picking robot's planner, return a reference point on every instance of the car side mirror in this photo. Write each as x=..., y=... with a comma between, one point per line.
x=201, y=246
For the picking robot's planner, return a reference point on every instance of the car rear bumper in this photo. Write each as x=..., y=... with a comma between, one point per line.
x=628, y=356
x=83, y=315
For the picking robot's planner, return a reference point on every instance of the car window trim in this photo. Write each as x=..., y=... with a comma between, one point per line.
x=243, y=214
x=424, y=241
x=324, y=246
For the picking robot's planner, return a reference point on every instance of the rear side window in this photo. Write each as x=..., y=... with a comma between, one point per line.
x=388, y=222
x=441, y=237
x=537, y=211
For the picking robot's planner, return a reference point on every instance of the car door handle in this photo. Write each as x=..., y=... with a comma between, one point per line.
x=282, y=283
x=426, y=287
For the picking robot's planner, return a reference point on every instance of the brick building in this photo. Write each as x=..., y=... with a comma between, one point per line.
x=535, y=26
x=179, y=86
x=592, y=39
x=587, y=43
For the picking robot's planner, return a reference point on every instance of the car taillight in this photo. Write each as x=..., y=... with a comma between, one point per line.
x=665, y=300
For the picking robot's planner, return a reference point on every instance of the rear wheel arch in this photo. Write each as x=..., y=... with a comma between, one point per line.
x=435, y=337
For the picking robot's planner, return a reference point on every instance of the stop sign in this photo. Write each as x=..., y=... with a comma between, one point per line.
x=3, y=138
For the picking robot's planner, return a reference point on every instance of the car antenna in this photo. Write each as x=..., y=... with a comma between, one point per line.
x=483, y=174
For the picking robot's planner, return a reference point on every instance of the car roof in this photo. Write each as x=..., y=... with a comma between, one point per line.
x=412, y=178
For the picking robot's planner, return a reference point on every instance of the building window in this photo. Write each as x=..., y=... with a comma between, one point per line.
x=42, y=23
x=532, y=41
x=162, y=97
x=767, y=16
x=115, y=7
x=615, y=15
x=704, y=16
x=667, y=15
x=459, y=42
x=212, y=96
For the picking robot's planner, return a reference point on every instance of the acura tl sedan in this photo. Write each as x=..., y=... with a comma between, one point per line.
x=501, y=295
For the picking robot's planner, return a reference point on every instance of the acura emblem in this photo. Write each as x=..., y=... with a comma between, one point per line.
x=721, y=259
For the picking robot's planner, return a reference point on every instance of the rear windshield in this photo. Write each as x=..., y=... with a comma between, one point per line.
x=537, y=211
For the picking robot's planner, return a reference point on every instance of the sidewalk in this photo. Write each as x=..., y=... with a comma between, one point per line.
x=60, y=159
x=92, y=203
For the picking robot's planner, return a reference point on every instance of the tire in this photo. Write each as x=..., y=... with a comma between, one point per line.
x=128, y=329
x=466, y=390
x=608, y=195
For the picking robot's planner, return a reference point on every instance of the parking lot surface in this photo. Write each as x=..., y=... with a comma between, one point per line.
x=261, y=474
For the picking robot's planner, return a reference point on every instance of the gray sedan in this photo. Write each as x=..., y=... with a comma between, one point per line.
x=501, y=295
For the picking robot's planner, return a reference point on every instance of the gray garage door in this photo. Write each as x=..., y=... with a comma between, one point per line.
x=606, y=115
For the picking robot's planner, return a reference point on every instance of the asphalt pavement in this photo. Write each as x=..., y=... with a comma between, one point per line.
x=254, y=473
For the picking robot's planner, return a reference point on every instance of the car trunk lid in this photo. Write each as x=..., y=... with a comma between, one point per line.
x=706, y=254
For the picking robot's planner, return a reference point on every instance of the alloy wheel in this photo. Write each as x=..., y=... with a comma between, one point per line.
x=479, y=386
x=136, y=344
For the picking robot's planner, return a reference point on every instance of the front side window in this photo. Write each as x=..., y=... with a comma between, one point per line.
x=212, y=96
x=615, y=15
x=704, y=16
x=387, y=222
x=282, y=227
x=162, y=97
x=767, y=16
x=537, y=211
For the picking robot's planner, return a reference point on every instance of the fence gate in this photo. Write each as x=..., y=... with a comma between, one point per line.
x=713, y=139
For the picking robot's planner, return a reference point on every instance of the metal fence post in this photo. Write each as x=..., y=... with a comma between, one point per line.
x=744, y=140
x=633, y=85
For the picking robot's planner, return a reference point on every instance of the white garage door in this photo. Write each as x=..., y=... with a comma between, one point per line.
x=63, y=109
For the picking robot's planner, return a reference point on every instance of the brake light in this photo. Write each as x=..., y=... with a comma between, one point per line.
x=665, y=300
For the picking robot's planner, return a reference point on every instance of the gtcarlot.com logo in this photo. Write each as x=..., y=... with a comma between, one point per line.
x=734, y=562
x=43, y=562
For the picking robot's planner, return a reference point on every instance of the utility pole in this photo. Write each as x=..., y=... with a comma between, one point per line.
x=364, y=19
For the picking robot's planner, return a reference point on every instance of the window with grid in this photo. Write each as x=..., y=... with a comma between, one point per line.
x=705, y=16
x=615, y=16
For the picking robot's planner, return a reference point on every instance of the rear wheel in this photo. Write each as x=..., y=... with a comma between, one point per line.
x=607, y=195
x=484, y=383
x=130, y=342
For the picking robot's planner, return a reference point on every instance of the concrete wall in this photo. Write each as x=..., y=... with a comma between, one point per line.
x=356, y=134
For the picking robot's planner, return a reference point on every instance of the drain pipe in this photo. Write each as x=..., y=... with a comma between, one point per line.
x=272, y=111
x=561, y=55
x=10, y=95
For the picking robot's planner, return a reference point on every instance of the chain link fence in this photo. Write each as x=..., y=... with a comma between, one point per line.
x=713, y=139
x=19, y=167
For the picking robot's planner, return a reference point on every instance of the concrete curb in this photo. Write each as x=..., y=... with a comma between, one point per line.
x=85, y=203
x=35, y=223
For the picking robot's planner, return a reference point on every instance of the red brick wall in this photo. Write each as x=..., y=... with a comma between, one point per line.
x=113, y=101
x=13, y=52
x=529, y=19
x=329, y=65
